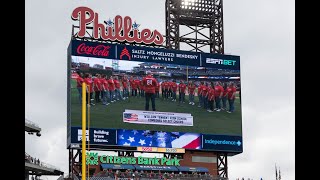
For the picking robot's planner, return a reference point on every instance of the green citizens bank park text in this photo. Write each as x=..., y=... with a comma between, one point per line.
x=92, y=159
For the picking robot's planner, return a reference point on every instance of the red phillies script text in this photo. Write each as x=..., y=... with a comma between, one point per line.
x=120, y=30
x=99, y=50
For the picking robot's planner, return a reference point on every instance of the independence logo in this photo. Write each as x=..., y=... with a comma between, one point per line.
x=224, y=142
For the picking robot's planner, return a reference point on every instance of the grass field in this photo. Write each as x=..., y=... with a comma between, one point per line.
x=102, y=116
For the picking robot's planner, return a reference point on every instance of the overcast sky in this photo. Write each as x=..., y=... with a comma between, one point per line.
x=260, y=31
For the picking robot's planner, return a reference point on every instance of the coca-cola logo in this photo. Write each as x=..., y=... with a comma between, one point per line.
x=99, y=50
x=120, y=29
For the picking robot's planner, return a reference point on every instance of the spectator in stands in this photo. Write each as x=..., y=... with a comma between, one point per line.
x=218, y=90
x=97, y=87
x=231, y=91
x=79, y=84
x=89, y=88
x=182, y=92
x=150, y=84
x=224, y=96
x=191, y=91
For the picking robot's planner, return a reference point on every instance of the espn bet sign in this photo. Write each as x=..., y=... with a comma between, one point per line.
x=94, y=159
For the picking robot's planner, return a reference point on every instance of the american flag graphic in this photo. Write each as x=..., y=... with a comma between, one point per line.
x=150, y=139
x=130, y=117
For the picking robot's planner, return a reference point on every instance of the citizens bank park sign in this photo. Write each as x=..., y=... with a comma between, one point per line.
x=94, y=159
x=120, y=29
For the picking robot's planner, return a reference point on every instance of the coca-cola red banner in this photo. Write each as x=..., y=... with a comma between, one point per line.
x=93, y=49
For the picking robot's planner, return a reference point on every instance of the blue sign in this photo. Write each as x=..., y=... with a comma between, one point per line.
x=157, y=55
x=96, y=136
x=147, y=138
x=220, y=61
x=222, y=143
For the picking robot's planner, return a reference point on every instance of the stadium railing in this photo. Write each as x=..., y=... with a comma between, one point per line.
x=35, y=161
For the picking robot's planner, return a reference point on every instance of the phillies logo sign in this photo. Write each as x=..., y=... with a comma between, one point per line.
x=121, y=29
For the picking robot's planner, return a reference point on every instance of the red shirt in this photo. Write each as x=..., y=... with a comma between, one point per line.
x=158, y=87
x=170, y=85
x=133, y=85
x=211, y=94
x=89, y=83
x=125, y=83
x=191, y=89
x=166, y=85
x=224, y=92
x=131, y=81
x=111, y=85
x=217, y=90
x=174, y=87
x=117, y=84
x=79, y=81
x=104, y=84
x=97, y=84
x=182, y=88
x=150, y=84
x=204, y=91
x=230, y=91
x=200, y=90
x=137, y=82
x=141, y=86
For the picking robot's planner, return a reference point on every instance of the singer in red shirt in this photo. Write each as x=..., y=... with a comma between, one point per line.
x=117, y=85
x=218, y=89
x=191, y=89
x=182, y=92
x=97, y=87
x=79, y=85
x=157, y=90
x=125, y=91
x=174, y=90
x=89, y=88
x=211, y=97
x=224, y=96
x=112, y=88
x=231, y=92
x=150, y=84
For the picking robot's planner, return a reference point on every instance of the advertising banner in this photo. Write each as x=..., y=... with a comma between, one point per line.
x=160, y=118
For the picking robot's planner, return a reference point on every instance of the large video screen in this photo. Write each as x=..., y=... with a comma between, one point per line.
x=151, y=97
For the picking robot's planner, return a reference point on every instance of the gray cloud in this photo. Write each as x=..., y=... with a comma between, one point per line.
x=261, y=32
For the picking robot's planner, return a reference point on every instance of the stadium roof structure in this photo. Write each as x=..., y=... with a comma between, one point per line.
x=32, y=127
x=34, y=166
x=42, y=169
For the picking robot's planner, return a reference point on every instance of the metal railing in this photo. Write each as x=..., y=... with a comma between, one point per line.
x=36, y=161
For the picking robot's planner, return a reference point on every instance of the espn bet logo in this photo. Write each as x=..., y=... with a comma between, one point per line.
x=91, y=158
x=80, y=135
